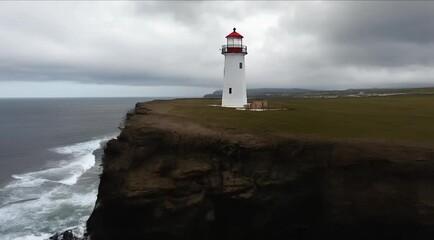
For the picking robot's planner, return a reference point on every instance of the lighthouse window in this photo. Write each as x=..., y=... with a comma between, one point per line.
x=230, y=90
x=241, y=65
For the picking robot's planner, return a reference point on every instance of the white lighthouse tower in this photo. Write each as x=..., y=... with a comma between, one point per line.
x=234, y=77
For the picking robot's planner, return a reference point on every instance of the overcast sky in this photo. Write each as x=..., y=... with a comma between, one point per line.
x=172, y=48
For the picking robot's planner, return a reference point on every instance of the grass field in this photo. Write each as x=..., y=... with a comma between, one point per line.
x=400, y=118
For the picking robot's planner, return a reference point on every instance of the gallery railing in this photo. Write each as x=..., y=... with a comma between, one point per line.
x=234, y=48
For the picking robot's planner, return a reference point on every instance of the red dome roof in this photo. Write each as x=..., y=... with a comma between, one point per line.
x=234, y=34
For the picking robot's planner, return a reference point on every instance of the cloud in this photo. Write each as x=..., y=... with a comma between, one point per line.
x=291, y=44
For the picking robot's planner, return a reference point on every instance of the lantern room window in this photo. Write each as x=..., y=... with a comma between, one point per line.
x=235, y=42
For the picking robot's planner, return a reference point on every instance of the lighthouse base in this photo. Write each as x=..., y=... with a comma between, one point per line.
x=243, y=106
x=234, y=105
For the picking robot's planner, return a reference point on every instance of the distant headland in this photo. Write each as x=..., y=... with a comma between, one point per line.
x=311, y=93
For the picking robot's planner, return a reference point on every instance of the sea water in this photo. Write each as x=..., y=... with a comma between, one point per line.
x=50, y=156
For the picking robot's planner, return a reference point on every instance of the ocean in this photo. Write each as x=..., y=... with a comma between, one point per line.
x=50, y=156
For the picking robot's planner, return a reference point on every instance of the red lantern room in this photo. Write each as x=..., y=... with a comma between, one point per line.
x=234, y=43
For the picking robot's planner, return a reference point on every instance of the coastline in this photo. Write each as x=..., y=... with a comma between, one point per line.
x=49, y=164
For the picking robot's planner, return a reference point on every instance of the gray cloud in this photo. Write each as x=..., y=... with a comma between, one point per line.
x=291, y=44
x=380, y=34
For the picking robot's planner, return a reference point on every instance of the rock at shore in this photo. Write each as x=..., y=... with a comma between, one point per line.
x=70, y=234
x=166, y=177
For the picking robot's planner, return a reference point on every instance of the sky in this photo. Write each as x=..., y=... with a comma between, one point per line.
x=172, y=48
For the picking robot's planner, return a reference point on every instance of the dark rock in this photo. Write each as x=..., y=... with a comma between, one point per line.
x=70, y=234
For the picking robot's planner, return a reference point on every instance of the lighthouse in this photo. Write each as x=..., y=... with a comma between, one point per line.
x=234, y=77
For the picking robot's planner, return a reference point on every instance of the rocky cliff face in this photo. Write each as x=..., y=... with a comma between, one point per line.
x=167, y=178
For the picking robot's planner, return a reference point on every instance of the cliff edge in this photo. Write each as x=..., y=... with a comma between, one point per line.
x=169, y=177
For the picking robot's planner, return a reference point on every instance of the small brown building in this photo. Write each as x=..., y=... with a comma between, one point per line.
x=258, y=104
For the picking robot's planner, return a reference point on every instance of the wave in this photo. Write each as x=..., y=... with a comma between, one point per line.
x=80, y=159
x=39, y=203
x=19, y=201
x=80, y=148
x=34, y=237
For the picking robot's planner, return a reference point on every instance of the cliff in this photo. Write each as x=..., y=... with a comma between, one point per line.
x=169, y=177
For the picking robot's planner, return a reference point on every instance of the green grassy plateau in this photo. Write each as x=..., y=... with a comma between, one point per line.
x=401, y=118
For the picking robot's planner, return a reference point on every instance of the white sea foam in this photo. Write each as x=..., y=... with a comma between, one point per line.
x=43, y=202
x=77, y=169
x=80, y=159
x=34, y=237
x=80, y=148
x=84, y=159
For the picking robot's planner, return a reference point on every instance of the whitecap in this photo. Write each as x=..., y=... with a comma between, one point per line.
x=34, y=237
x=68, y=171
x=26, y=181
x=80, y=148
x=77, y=168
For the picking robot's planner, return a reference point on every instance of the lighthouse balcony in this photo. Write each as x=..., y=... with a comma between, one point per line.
x=234, y=48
